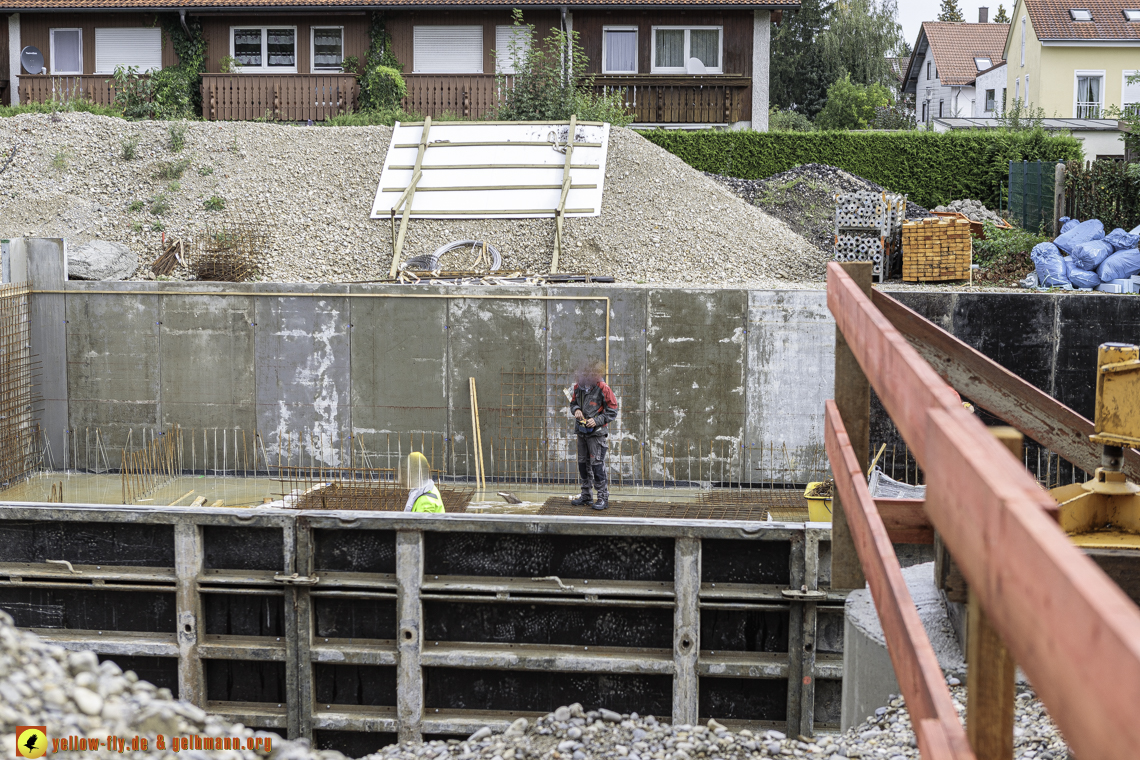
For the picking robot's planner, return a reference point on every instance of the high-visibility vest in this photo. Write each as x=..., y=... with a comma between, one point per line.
x=429, y=502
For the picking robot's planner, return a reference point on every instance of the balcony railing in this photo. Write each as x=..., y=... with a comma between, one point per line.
x=283, y=97
x=680, y=100
x=47, y=88
x=1088, y=110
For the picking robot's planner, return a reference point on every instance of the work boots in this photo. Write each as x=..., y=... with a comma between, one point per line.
x=583, y=499
x=603, y=501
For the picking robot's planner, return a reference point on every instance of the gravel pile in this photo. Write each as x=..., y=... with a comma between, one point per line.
x=975, y=210
x=662, y=221
x=803, y=198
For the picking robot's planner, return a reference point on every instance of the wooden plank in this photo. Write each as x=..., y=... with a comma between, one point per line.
x=1001, y=392
x=686, y=629
x=1073, y=631
x=906, y=521
x=853, y=397
x=189, y=553
x=409, y=645
x=916, y=666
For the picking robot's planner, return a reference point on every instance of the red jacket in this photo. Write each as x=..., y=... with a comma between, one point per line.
x=597, y=401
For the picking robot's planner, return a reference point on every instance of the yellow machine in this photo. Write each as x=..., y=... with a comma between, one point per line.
x=1105, y=511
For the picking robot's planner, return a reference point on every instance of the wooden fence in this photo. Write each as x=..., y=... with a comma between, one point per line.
x=469, y=96
x=1062, y=619
x=45, y=88
x=680, y=100
x=282, y=97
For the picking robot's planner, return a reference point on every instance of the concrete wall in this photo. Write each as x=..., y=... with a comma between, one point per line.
x=698, y=367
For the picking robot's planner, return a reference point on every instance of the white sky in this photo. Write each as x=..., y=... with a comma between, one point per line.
x=913, y=12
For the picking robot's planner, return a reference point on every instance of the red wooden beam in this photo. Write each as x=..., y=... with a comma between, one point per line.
x=916, y=666
x=999, y=391
x=1072, y=630
x=906, y=521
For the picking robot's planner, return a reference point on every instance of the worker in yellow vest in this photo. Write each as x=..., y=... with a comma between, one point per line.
x=423, y=496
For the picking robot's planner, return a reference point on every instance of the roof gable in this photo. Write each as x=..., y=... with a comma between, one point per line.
x=955, y=45
x=1052, y=21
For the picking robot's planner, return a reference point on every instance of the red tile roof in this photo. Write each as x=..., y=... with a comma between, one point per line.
x=1051, y=20
x=11, y=6
x=957, y=44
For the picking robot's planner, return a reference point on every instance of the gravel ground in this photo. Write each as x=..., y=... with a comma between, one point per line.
x=803, y=198
x=75, y=695
x=662, y=222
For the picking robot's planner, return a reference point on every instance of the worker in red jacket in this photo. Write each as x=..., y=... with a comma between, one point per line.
x=594, y=407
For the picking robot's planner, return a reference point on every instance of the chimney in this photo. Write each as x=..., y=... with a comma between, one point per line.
x=983, y=15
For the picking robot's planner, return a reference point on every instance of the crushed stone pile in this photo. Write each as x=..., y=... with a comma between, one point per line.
x=973, y=209
x=804, y=198
x=661, y=222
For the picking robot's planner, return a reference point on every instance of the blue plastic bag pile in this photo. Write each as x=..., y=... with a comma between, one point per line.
x=1084, y=257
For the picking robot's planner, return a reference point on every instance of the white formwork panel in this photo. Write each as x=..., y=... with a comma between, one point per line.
x=519, y=174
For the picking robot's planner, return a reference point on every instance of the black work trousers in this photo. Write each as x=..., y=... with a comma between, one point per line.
x=592, y=462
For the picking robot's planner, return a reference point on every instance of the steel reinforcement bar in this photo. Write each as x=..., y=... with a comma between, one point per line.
x=1070, y=628
x=325, y=622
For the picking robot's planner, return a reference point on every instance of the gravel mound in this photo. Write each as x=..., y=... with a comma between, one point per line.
x=661, y=222
x=803, y=198
x=973, y=209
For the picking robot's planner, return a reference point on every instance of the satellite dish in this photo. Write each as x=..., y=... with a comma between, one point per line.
x=694, y=66
x=32, y=60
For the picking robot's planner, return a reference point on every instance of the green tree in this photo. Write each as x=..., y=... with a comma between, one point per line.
x=950, y=11
x=851, y=105
x=860, y=37
x=1001, y=17
x=799, y=75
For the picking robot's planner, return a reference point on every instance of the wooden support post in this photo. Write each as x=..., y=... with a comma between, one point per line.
x=407, y=197
x=990, y=668
x=409, y=610
x=810, y=627
x=188, y=557
x=561, y=210
x=686, y=629
x=853, y=397
x=303, y=630
x=1058, y=197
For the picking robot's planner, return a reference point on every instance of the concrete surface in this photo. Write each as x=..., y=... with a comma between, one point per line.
x=868, y=676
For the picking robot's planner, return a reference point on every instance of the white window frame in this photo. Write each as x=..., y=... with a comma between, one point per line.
x=1023, y=40
x=1016, y=89
x=265, y=68
x=1124, y=74
x=655, y=69
x=989, y=100
x=636, y=45
x=989, y=63
x=1076, y=78
x=313, y=47
x=52, y=46
x=1131, y=14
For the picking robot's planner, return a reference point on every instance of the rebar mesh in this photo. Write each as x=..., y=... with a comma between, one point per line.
x=20, y=451
x=230, y=249
x=377, y=496
x=757, y=505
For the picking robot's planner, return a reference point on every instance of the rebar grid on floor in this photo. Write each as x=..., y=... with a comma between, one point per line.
x=377, y=496
x=757, y=505
x=20, y=446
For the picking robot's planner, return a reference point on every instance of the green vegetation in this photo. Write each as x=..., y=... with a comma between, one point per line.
x=950, y=11
x=788, y=121
x=134, y=95
x=382, y=88
x=178, y=89
x=59, y=161
x=931, y=168
x=136, y=206
x=370, y=118
x=173, y=169
x=229, y=65
x=136, y=227
x=214, y=203
x=205, y=171
x=129, y=147
x=178, y=136
x=350, y=64
x=157, y=226
x=64, y=106
x=1003, y=256
x=1001, y=17
x=851, y=105
x=547, y=83
x=159, y=204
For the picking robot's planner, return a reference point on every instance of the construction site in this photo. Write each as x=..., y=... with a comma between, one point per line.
x=201, y=487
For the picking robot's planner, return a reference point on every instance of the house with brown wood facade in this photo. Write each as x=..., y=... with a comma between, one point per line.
x=684, y=63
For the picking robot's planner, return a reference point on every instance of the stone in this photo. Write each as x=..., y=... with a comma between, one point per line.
x=101, y=260
x=609, y=715
x=518, y=728
x=562, y=714
x=88, y=702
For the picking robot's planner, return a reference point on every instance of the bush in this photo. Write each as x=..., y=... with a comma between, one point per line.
x=133, y=93
x=173, y=89
x=386, y=117
x=83, y=106
x=931, y=168
x=382, y=88
x=214, y=203
x=851, y=105
x=173, y=169
x=1003, y=257
x=789, y=121
x=896, y=116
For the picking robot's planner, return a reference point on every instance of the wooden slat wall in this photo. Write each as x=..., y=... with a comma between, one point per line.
x=737, y=39
x=44, y=89
x=216, y=30
x=35, y=29
x=286, y=97
x=401, y=25
x=680, y=99
x=470, y=96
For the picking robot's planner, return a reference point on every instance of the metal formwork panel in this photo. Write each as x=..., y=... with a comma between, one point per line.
x=338, y=624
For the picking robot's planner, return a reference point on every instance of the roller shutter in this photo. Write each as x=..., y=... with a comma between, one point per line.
x=447, y=49
x=139, y=47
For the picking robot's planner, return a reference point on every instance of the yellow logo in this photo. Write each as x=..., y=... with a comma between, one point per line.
x=31, y=741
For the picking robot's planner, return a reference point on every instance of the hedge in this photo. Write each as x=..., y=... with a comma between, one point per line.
x=930, y=168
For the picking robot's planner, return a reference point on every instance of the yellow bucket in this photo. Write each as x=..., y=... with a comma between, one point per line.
x=819, y=509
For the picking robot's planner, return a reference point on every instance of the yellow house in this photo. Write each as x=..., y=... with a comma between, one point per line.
x=1072, y=58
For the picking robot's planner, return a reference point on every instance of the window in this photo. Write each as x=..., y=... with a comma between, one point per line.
x=940, y=109
x=1131, y=14
x=925, y=112
x=1022, y=41
x=511, y=45
x=1130, y=97
x=928, y=69
x=265, y=49
x=680, y=50
x=66, y=51
x=981, y=64
x=327, y=48
x=1017, y=88
x=990, y=100
x=126, y=47
x=1003, y=91
x=619, y=50
x=1080, y=14
x=1090, y=91
x=447, y=49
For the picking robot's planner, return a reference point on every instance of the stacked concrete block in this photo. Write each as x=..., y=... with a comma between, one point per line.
x=936, y=249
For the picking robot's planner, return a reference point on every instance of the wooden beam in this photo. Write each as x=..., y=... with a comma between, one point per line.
x=407, y=197
x=853, y=397
x=1000, y=392
x=916, y=666
x=906, y=521
x=560, y=212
